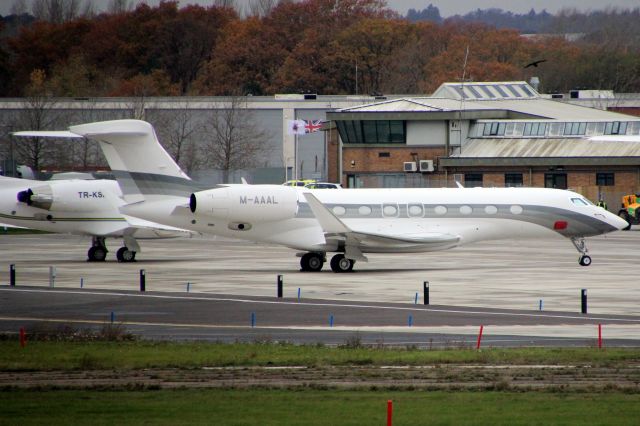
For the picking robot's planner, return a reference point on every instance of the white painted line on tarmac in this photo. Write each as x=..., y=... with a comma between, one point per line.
x=334, y=305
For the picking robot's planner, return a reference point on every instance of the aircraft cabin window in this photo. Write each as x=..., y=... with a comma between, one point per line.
x=415, y=211
x=516, y=209
x=465, y=210
x=390, y=210
x=440, y=210
x=491, y=210
x=339, y=211
x=364, y=210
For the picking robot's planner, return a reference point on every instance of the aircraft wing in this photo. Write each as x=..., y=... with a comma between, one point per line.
x=354, y=241
x=148, y=229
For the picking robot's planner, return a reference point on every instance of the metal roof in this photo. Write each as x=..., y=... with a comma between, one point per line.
x=487, y=90
x=547, y=147
x=448, y=99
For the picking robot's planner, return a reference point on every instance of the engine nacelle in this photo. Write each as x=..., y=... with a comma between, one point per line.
x=246, y=203
x=70, y=196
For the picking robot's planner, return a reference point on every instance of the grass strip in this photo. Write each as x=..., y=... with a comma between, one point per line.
x=145, y=354
x=314, y=407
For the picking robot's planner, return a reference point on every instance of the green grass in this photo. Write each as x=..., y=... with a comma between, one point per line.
x=314, y=407
x=141, y=354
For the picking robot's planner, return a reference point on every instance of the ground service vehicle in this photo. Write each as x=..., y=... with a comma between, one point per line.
x=630, y=210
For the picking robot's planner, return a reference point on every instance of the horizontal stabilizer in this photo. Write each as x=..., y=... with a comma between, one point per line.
x=47, y=134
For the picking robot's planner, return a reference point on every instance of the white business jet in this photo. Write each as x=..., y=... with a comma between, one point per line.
x=350, y=222
x=81, y=207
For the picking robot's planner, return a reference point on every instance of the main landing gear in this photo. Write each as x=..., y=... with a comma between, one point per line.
x=585, y=259
x=313, y=262
x=125, y=255
x=98, y=252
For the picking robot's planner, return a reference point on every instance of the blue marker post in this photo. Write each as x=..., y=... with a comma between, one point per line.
x=298, y=294
x=331, y=320
x=540, y=304
x=415, y=302
x=253, y=319
x=81, y=282
x=113, y=316
x=410, y=320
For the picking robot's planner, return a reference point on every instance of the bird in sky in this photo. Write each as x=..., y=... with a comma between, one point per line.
x=535, y=63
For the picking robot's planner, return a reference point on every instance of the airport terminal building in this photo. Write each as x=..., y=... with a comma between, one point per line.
x=484, y=134
x=479, y=134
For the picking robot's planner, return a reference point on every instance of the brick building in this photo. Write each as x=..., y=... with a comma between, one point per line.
x=484, y=134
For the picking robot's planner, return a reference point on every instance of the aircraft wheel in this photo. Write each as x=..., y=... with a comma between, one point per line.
x=97, y=254
x=312, y=262
x=585, y=260
x=125, y=255
x=339, y=263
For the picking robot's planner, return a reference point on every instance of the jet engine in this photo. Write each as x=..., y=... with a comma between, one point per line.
x=70, y=196
x=246, y=203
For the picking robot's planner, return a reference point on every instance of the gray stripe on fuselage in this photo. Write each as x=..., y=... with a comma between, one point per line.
x=579, y=224
x=156, y=184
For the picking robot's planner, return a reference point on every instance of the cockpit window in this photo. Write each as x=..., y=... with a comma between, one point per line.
x=579, y=202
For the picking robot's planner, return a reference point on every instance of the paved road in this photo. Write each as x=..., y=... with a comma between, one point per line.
x=498, y=285
x=232, y=318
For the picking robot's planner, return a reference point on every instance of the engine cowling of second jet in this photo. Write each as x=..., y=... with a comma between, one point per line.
x=72, y=196
x=246, y=203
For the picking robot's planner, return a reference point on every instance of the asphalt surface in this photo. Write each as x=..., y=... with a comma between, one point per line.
x=231, y=288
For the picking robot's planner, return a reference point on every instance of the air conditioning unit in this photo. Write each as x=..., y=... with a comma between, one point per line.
x=426, y=166
x=410, y=166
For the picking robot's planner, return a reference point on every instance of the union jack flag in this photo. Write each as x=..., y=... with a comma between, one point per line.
x=312, y=126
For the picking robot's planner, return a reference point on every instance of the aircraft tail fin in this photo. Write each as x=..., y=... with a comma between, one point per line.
x=136, y=157
x=141, y=165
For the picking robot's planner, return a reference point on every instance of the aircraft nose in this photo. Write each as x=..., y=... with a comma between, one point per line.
x=617, y=221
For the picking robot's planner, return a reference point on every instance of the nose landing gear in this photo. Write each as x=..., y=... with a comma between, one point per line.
x=579, y=244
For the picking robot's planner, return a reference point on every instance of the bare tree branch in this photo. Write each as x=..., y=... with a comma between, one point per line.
x=233, y=141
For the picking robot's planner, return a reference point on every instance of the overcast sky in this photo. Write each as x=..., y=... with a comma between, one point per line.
x=448, y=7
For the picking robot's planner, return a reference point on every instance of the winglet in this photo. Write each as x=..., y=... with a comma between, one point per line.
x=328, y=221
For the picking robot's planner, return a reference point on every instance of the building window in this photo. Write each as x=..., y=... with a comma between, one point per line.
x=615, y=128
x=574, y=129
x=534, y=129
x=512, y=180
x=494, y=129
x=555, y=180
x=472, y=180
x=605, y=179
x=384, y=154
x=372, y=131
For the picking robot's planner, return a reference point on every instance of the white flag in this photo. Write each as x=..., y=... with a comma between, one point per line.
x=296, y=127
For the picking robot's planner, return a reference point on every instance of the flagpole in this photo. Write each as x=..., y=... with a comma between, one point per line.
x=295, y=156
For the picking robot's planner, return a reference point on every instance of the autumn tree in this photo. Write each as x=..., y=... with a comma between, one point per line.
x=373, y=45
x=494, y=55
x=243, y=61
